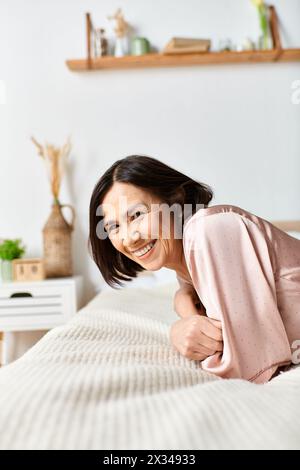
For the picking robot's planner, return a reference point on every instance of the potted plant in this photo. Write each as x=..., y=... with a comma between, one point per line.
x=264, y=41
x=9, y=250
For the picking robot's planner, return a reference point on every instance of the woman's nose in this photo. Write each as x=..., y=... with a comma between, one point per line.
x=130, y=237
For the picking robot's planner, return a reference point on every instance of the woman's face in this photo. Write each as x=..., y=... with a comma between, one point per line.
x=137, y=228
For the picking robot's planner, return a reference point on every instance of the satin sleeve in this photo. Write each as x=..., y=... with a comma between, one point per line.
x=229, y=261
x=185, y=284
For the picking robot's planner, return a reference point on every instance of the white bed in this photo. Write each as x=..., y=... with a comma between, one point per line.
x=109, y=379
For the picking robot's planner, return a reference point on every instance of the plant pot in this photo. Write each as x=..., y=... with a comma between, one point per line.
x=6, y=272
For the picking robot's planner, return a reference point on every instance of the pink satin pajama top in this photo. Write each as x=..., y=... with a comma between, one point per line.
x=246, y=273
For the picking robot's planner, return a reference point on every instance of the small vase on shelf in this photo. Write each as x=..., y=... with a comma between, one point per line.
x=265, y=40
x=121, y=47
x=121, y=30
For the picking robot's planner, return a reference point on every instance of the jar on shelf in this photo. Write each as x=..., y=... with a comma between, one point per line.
x=100, y=43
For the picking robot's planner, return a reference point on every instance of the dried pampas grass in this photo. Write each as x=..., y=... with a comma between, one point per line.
x=56, y=163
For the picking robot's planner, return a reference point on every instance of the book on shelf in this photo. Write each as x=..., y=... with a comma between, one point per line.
x=179, y=45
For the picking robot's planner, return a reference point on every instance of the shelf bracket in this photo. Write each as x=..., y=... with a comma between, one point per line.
x=89, y=28
x=275, y=32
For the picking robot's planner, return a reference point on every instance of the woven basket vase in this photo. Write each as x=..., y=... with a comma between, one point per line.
x=57, y=241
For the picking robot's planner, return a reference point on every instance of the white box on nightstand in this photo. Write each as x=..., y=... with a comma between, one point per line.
x=39, y=305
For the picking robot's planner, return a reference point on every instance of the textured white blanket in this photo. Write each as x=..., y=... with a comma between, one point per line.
x=110, y=379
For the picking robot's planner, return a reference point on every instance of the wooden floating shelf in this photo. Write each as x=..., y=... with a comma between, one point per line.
x=277, y=54
x=163, y=60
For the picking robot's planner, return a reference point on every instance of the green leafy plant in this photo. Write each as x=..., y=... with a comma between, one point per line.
x=262, y=10
x=11, y=249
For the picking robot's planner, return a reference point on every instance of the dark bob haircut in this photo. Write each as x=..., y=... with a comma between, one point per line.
x=161, y=181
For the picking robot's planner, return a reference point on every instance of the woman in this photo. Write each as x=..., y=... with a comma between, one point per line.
x=239, y=276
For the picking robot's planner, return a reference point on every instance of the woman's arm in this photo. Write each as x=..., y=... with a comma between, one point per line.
x=230, y=261
x=186, y=302
x=195, y=336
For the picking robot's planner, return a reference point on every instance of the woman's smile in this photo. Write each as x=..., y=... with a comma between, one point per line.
x=146, y=251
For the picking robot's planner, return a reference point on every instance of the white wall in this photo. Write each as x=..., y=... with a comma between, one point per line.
x=233, y=127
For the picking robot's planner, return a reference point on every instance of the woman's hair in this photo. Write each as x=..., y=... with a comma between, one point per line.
x=161, y=181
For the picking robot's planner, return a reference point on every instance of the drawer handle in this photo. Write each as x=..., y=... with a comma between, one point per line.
x=20, y=294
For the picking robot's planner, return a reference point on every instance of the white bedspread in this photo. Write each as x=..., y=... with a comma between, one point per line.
x=110, y=379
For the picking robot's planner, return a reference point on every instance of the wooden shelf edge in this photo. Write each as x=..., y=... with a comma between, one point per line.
x=163, y=60
x=290, y=55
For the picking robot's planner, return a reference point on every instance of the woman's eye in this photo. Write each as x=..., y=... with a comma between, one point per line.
x=139, y=213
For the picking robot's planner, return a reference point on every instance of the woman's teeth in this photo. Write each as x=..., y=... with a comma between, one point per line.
x=145, y=250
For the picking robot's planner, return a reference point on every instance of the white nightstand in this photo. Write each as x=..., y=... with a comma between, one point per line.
x=38, y=305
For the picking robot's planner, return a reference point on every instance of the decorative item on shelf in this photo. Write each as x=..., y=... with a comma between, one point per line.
x=179, y=45
x=57, y=240
x=121, y=30
x=246, y=45
x=265, y=39
x=229, y=55
x=9, y=250
x=28, y=269
x=139, y=46
x=226, y=45
x=100, y=43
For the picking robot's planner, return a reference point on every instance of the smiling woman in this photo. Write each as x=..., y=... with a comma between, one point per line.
x=135, y=223
x=244, y=271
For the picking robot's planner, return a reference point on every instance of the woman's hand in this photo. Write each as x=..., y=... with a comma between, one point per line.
x=197, y=336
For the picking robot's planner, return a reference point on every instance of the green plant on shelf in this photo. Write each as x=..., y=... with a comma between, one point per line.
x=11, y=249
x=262, y=10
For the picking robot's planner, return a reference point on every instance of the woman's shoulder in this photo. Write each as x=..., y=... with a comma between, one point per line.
x=222, y=227
x=224, y=221
x=221, y=212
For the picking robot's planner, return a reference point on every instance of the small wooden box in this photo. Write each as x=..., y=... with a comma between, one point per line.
x=28, y=269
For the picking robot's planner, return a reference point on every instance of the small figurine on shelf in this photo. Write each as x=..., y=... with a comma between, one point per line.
x=121, y=30
x=226, y=45
x=100, y=43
